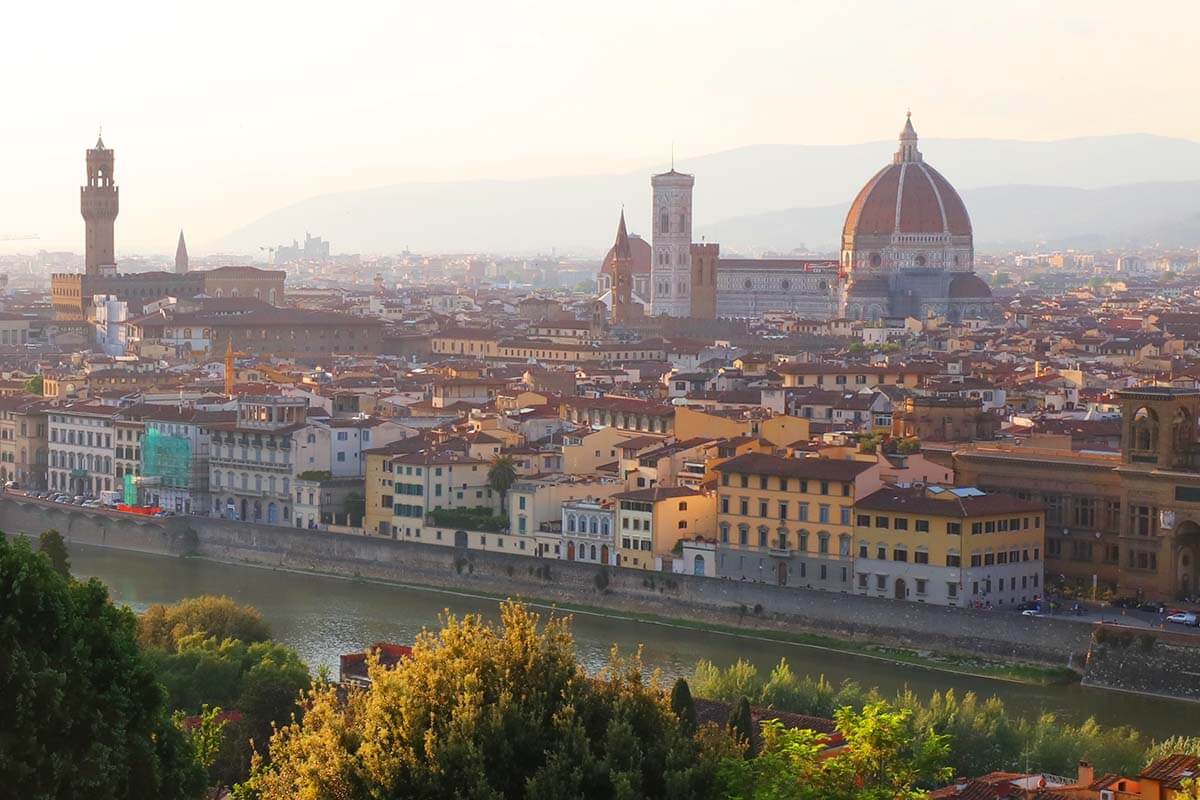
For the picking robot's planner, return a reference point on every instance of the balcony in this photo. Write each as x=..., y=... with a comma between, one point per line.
x=780, y=552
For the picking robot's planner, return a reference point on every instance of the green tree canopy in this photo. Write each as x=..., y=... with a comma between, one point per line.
x=35, y=385
x=52, y=544
x=81, y=715
x=492, y=711
x=884, y=758
x=261, y=682
x=502, y=474
x=210, y=616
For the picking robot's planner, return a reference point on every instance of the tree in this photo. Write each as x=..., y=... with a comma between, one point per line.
x=683, y=705
x=261, y=682
x=210, y=616
x=501, y=476
x=35, y=385
x=51, y=543
x=81, y=715
x=883, y=758
x=354, y=507
x=741, y=723
x=485, y=710
x=1172, y=746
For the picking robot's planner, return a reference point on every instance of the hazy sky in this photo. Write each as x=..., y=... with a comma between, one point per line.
x=223, y=111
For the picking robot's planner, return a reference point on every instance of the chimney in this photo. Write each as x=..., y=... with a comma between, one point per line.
x=1087, y=774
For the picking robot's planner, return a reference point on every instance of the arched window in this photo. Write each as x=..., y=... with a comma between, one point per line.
x=592, y=526
x=665, y=222
x=570, y=523
x=1145, y=430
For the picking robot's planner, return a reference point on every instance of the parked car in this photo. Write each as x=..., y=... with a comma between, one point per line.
x=1031, y=612
x=1183, y=618
x=1032, y=605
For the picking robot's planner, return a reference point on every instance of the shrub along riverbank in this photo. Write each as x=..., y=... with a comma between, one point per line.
x=984, y=736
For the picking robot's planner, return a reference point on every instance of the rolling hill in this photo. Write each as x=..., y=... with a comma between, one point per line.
x=775, y=196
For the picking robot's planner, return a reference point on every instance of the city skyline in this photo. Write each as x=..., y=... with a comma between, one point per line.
x=296, y=115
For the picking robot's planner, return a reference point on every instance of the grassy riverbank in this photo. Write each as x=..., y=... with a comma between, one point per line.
x=753, y=627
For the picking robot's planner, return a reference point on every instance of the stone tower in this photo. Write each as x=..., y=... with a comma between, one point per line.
x=98, y=202
x=181, y=256
x=622, y=276
x=670, y=268
x=705, y=258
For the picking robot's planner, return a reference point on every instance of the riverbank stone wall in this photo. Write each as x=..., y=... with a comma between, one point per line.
x=989, y=635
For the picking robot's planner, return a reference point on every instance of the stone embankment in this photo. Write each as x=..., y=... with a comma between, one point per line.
x=1161, y=663
x=963, y=633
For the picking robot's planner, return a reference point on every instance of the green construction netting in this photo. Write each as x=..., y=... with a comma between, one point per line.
x=167, y=457
x=131, y=493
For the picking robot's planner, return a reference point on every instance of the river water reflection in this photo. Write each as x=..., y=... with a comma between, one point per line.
x=323, y=617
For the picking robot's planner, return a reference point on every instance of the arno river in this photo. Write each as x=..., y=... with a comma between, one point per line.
x=324, y=617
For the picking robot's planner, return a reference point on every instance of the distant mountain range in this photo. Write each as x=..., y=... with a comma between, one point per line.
x=1094, y=191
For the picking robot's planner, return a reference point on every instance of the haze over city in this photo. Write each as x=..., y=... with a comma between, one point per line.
x=225, y=116
x=661, y=401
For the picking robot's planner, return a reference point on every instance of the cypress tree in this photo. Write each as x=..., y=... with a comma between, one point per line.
x=743, y=724
x=683, y=706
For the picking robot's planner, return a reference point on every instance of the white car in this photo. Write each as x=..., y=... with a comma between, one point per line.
x=1031, y=612
x=1183, y=618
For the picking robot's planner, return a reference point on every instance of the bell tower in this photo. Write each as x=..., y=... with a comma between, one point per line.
x=98, y=202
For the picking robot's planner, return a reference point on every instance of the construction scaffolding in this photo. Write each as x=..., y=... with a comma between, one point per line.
x=168, y=458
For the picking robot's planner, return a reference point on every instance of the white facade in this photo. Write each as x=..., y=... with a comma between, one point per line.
x=671, y=244
x=81, y=449
x=111, y=333
x=587, y=532
x=251, y=460
x=338, y=446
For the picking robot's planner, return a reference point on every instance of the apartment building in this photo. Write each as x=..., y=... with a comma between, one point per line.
x=23, y=444
x=433, y=479
x=338, y=445
x=788, y=521
x=80, y=442
x=949, y=546
x=650, y=522
x=251, y=459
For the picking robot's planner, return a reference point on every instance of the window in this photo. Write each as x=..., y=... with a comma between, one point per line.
x=921, y=557
x=954, y=528
x=921, y=583
x=682, y=506
x=783, y=510
x=724, y=505
x=823, y=514
x=762, y=508
x=802, y=512
x=922, y=526
x=900, y=554
x=864, y=520
x=862, y=549
x=881, y=581
x=862, y=580
x=823, y=543
x=881, y=552
x=976, y=528
x=745, y=507
x=881, y=522
x=743, y=534
x=900, y=523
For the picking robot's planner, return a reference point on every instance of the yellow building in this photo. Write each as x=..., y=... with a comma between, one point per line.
x=585, y=451
x=949, y=546
x=780, y=429
x=788, y=521
x=651, y=521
